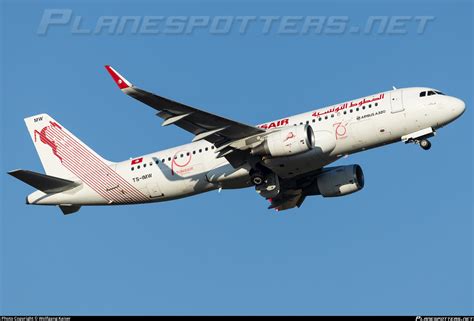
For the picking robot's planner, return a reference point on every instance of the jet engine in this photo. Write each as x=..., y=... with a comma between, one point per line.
x=286, y=142
x=338, y=181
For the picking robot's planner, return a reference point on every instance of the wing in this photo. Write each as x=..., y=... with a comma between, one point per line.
x=215, y=129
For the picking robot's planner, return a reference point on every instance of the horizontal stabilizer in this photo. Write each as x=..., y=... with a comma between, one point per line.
x=42, y=182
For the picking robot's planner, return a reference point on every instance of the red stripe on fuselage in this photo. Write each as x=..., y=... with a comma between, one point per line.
x=92, y=170
x=86, y=171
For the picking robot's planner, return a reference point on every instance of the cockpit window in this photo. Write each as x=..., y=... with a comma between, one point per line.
x=431, y=93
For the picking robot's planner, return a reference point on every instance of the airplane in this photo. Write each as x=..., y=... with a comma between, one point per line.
x=285, y=160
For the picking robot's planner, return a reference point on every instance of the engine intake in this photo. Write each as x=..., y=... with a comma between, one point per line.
x=340, y=181
x=286, y=142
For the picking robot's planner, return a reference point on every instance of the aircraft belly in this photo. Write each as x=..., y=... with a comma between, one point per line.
x=81, y=195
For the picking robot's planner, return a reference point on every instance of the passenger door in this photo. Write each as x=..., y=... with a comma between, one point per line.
x=396, y=101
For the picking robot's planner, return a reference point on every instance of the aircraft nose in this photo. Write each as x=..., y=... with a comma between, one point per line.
x=458, y=107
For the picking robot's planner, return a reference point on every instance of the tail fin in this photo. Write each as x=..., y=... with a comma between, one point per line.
x=61, y=153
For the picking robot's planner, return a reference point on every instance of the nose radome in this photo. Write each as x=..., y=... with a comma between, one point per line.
x=458, y=107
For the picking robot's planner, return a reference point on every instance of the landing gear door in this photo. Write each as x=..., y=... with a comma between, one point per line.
x=396, y=101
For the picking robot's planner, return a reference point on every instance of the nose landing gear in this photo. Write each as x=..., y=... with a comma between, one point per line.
x=420, y=137
x=425, y=144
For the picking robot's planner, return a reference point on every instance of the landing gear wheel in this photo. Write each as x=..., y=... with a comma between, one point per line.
x=257, y=179
x=425, y=144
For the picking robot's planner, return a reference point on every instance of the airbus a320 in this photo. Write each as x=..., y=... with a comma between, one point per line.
x=285, y=160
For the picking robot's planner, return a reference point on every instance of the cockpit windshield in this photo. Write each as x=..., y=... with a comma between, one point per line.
x=431, y=93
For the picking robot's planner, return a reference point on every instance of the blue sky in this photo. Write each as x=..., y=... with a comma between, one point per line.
x=403, y=245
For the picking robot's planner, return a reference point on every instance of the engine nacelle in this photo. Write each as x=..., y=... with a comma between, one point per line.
x=286, y=142
x=341, y=180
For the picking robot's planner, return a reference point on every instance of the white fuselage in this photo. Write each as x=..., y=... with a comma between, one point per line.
x=194, y=168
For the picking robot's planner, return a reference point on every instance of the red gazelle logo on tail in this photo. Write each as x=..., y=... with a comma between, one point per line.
x=47, y=141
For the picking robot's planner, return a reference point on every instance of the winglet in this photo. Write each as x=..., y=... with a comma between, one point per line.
x=118, y=78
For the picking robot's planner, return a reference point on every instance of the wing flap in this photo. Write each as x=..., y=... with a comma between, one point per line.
x=287, y=199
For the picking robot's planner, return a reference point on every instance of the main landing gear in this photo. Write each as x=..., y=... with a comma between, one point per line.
x=266, y=183
x=257, y=178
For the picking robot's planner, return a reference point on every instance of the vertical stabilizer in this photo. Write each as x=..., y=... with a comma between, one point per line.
x=61, y=153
